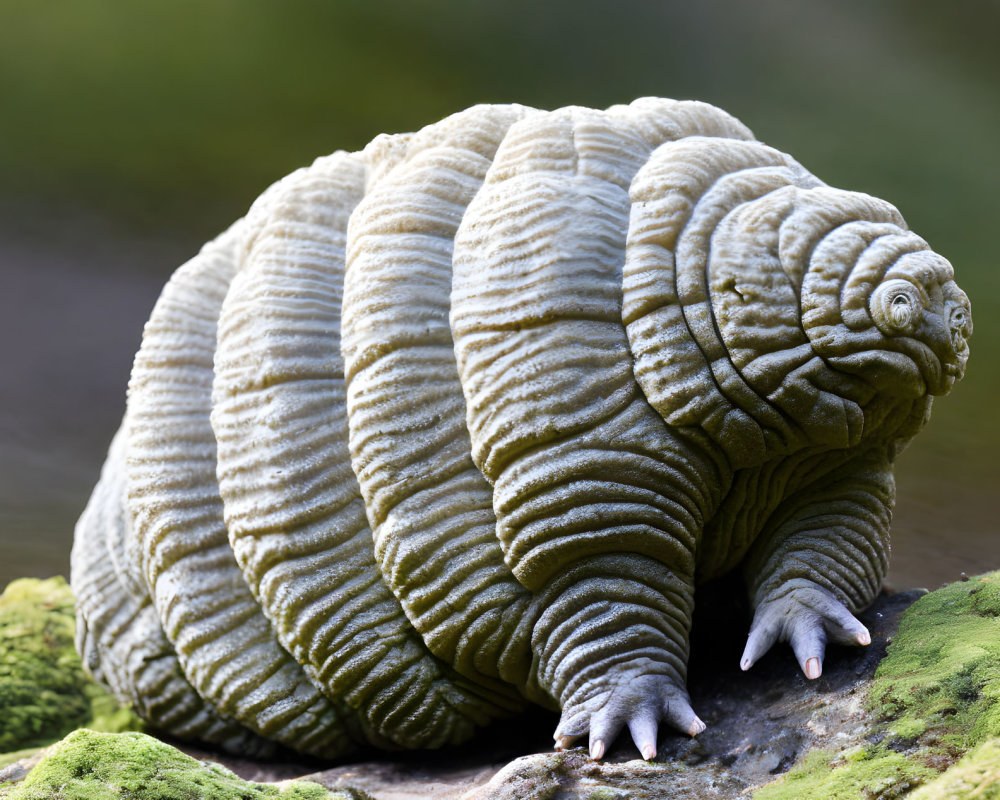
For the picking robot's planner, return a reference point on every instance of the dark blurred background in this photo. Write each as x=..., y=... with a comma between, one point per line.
x=131, y=132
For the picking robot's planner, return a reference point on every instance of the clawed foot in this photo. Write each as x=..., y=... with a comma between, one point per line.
x=806, y=617
x=640, y=702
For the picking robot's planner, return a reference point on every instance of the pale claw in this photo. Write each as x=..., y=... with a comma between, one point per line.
x=806, y=617
x=640, y=703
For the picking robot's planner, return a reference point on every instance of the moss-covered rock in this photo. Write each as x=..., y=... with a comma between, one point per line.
x=933, y=701
x=977, y=775
x=88, y=765
x=44, y=692
x=935, y=697
x=942, y=673
x=862, y=773
x=42, y=684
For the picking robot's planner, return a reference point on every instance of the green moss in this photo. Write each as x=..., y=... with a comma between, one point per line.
x=908, y=729
x=42, y=685
x=869, y=774
x=942, y=671
x=976, y=775
x=44, y=692
x=88, y=765
x=935, y=695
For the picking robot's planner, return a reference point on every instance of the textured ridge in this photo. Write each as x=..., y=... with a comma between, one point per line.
x=119, y=634
x=536, y=313
x=427, y=503
x=279, y=418
x=223, y=641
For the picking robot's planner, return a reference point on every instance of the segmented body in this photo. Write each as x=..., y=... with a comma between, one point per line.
x=457, y=422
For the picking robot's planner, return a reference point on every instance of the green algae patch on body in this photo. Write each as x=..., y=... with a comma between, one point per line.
x=88, y=765
x=44, y=692
x=941, y=676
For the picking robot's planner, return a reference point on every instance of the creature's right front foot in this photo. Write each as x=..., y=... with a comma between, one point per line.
x=641, y=702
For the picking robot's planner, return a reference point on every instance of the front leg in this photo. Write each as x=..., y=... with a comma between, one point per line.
x=820, y=560
x=603, y=527
x=612, y=648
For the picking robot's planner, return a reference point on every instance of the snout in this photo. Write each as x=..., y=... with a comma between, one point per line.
x=953, y=342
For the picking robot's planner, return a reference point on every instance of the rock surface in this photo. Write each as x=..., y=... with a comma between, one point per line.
x=870, y=727
x=87, y=765
x=760, y=724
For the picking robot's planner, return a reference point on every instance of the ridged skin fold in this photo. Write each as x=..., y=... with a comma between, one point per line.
x=224, y=642
x=459, y=421
x=827, y=532
x=581, y=465
x=428, y=504
x=544, y=360
x=278, y=416
x=119, y=635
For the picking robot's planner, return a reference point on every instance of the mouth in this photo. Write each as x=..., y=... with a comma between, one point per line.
x=948, y=341
x=950, y=373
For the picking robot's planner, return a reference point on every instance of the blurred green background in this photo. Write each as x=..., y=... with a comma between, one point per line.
x=130, y=132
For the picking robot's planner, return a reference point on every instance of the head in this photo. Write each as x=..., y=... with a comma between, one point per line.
x=919, y=308
x=775, y=311
x=902, y=324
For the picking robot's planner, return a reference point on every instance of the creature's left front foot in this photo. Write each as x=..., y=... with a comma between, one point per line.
x=806, y=616
x=639, y=701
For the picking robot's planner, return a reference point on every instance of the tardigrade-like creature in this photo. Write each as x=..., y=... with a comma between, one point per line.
x=460, y=421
